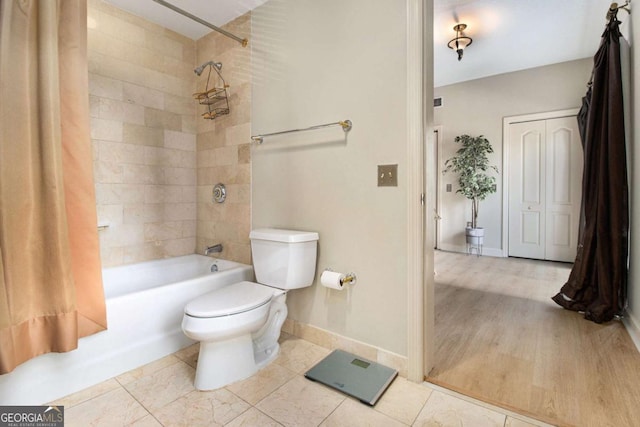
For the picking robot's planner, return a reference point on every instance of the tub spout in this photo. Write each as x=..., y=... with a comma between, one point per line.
x=213, y=249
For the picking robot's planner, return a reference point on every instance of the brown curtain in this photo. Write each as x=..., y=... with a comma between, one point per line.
x=50, y=274
x=597, y=284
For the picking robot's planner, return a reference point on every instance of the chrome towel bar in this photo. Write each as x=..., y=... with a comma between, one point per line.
x=346, y=127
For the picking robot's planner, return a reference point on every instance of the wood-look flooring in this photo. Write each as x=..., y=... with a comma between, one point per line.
x=501, y=339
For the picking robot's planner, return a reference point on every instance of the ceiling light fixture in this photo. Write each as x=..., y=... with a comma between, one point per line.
x=461, y=41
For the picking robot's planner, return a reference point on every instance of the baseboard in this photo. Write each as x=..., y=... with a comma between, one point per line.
x=633, y=328
x=492, y=252
x=333, y=341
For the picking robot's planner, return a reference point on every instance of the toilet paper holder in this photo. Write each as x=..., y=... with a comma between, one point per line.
x=349, y=278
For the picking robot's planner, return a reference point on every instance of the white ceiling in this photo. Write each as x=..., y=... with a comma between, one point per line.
x=508, y=35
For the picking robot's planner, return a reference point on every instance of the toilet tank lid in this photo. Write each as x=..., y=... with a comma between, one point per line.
x=280, y=235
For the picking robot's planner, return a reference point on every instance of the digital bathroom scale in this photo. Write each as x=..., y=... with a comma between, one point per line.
x=360, y=378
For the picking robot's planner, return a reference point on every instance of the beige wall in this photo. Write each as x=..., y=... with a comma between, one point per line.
x=320, y=62
x=634, y=188
x=143, y=131
x=223, y=147
x=477, y=107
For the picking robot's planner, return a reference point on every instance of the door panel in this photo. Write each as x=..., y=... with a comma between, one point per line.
x=526, y=184
x=559, y=146
x=564, y=188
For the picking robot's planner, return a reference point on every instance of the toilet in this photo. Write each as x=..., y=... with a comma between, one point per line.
x=238, y=326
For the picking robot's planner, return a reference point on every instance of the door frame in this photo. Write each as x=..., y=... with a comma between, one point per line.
x=506, y=122
x=420, y=278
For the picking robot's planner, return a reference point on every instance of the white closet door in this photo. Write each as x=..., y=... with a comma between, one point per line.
x=527, y=226
x=545, y=163
x=564, y=165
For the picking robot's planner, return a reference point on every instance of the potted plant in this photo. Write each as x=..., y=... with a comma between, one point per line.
x=471, y=163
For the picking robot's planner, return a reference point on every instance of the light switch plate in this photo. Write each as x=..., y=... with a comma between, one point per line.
x=387, y=175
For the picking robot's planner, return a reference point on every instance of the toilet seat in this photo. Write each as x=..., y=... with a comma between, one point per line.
x=232, y=299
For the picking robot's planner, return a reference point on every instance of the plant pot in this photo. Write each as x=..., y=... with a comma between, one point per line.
x=475, y=236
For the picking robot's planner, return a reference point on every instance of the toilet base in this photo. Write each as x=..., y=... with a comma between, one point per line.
x=224, y=362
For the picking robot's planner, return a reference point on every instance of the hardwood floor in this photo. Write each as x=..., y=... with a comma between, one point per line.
x=501, y=339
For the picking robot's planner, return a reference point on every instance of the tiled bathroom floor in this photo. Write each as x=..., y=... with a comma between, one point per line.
x=162, y=394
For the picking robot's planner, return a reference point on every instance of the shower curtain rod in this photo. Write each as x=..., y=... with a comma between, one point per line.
x=243, y=42
x=346, y=127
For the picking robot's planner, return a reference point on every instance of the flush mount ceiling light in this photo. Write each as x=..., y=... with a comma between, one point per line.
x=461, y=41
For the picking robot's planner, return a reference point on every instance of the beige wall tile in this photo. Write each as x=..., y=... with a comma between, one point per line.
x=179, y=211
x=109, y=22
x=108, y=172
x=225, y=156
x=110, y=214
x=162, y=119
x=142, y=135
x=133, y=113
x=189, y=124
x=109, y=194
x=108, y=130
x=141, y=213
x=143, y=174
x=179, y=140
x=163, y=45
x=111, y=109
x=179, y=247
x=162, y=231
x=117, y=152
x=105, y=87
x=180, y=104
x=244, y=153
x=142, y=95
x=239, y=134
x=179, y=176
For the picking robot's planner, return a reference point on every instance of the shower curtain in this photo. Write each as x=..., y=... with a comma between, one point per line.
x=50, y=274
x=597, y=284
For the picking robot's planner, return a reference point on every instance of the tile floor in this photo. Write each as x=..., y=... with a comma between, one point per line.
x=162, y=394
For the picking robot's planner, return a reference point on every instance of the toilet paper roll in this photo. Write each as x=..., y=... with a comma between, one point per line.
x=332, y=280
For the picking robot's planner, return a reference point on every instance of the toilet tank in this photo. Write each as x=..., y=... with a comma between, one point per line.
x=284, y=259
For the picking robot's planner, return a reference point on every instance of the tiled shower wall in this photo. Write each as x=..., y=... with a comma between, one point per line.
x=223, y=147
x=156, y=159
x=144, y=136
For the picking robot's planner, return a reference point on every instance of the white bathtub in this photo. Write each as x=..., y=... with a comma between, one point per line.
x=145, y=305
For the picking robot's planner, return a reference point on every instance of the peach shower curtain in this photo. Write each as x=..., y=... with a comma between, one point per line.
x=50, y=273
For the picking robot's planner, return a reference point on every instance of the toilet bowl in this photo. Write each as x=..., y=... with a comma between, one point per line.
x=238, y=326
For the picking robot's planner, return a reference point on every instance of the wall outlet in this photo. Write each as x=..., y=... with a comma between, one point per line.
x=387, y=175
x=448, y=188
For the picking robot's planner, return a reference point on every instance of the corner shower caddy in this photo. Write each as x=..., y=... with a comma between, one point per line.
x=215, y=95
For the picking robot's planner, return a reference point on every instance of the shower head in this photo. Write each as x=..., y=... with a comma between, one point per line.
x=200, y=69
